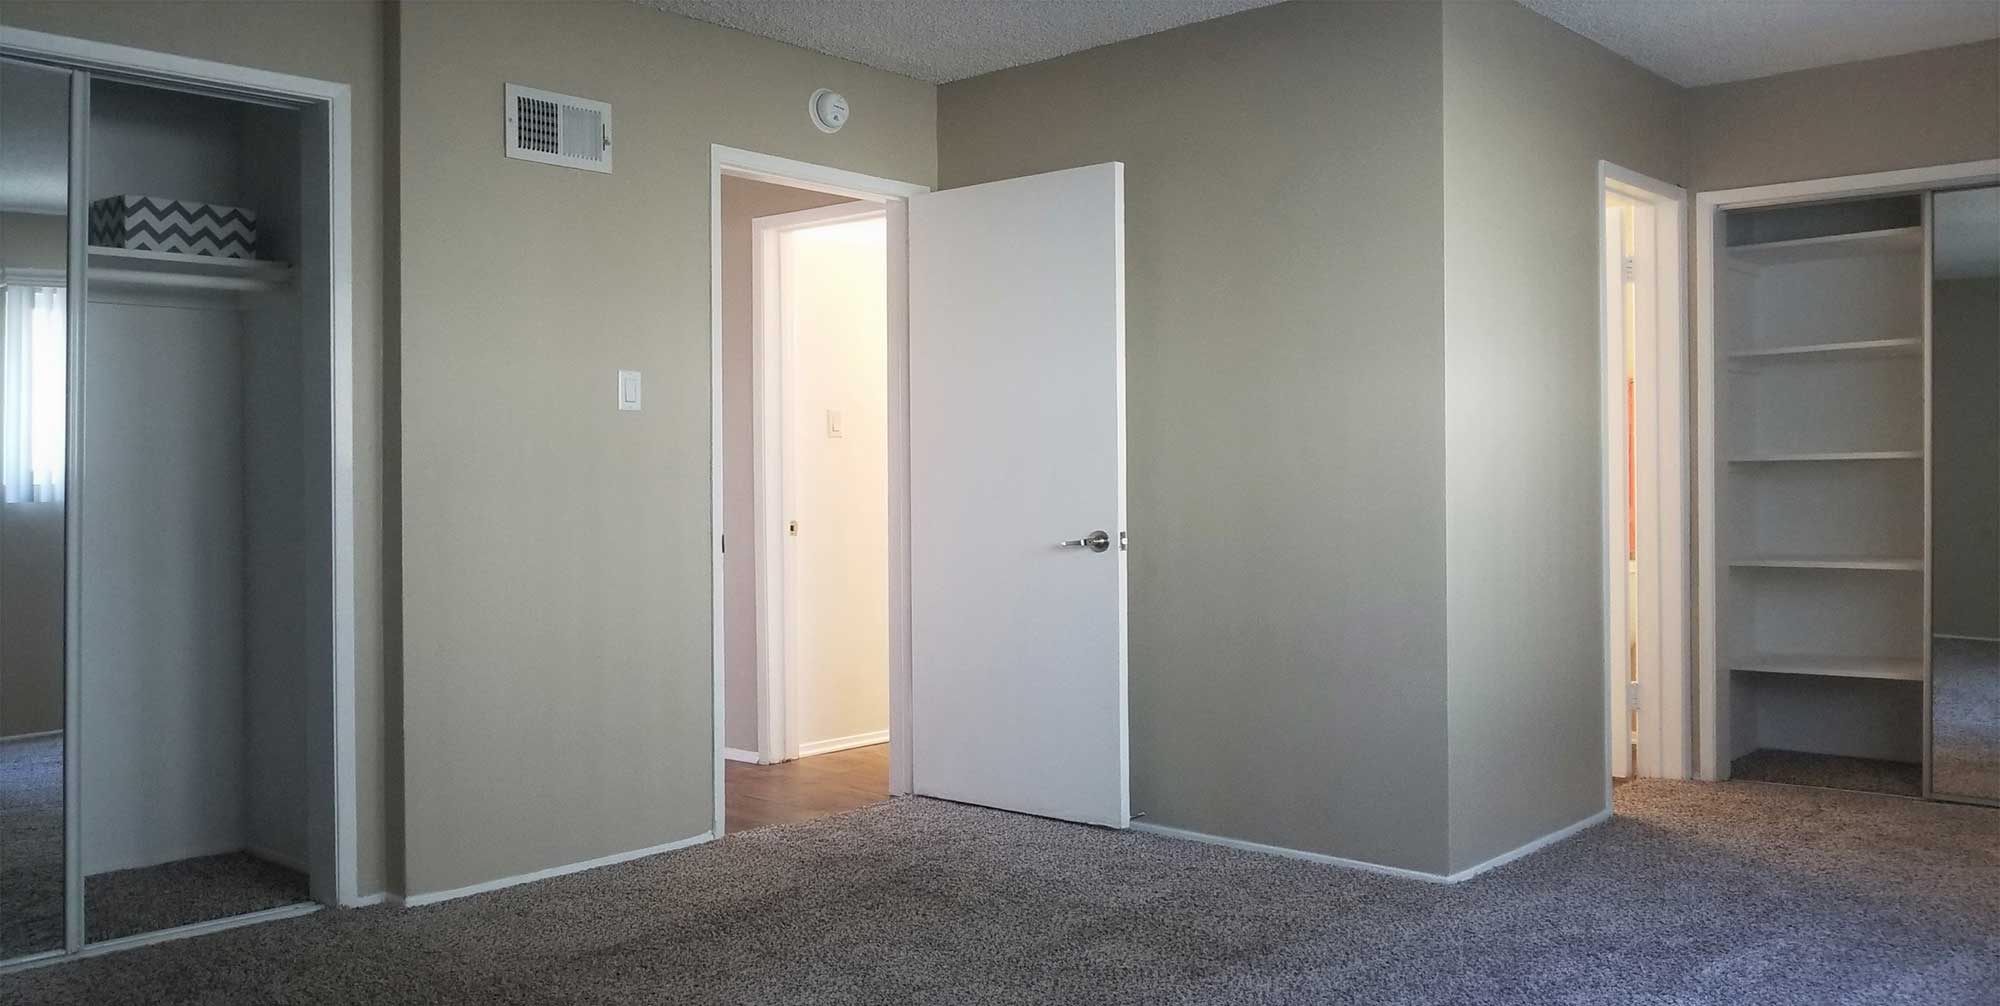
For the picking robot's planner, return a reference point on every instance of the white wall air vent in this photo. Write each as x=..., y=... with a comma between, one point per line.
x=558, y=129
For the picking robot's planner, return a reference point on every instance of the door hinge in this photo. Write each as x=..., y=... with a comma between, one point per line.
x=1632, y=695
x=1631, y=268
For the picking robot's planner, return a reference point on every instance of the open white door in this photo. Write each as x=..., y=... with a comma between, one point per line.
x=1017, y=443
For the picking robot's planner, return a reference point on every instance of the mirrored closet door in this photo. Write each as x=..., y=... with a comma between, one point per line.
x=34, y=462
x=166, y=572
x=1965, y=495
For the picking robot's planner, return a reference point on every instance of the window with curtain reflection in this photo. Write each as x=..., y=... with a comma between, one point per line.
x=34, y=346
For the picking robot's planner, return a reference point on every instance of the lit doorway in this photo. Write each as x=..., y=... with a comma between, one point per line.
x=1646, y=531
x=805, y=333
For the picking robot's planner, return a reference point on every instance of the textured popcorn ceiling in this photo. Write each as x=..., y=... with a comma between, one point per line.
x=946, y=40
x=1696, y=42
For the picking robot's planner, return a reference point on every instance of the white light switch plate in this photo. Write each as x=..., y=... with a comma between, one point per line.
x=628, y=391
x=835, y=423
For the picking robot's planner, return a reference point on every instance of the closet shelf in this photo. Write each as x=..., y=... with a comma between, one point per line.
x=132, y=267
x=1831, y=246
x=1891, y=563
x=1824, y=666
x=1872, y=349
x=1817, y=456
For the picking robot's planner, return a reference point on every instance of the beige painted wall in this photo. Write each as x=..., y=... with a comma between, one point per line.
x=1933, y=107
x=1965, y=477
x=1529, y=109
x=556, y=552
x=742, y=201
x=31, y=622
x=33, y=240
x=1285, y=407
x=329, y=41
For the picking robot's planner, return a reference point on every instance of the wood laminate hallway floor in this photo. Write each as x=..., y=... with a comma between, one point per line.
x=788, y=792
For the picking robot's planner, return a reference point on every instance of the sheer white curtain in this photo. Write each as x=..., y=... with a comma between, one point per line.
x=34, y=342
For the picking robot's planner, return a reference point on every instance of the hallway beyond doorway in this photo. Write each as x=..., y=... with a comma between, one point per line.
x=806, y=788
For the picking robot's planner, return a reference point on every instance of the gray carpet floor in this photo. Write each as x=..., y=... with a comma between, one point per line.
x=1737, y=893
x=1965, y=730
x=151, y=898
x=117, y=903
x=1800, y=768
x=31, y=846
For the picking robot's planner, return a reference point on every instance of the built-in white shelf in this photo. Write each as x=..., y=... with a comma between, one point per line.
x=1820, y=665
x=1914, y=563
x=1871, y=349
x=1819, y=456
x=1820, y=446
x=133, y=267
x=1885, y=242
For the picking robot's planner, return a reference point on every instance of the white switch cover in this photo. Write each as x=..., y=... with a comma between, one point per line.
x=628, y=391
x=835, y=425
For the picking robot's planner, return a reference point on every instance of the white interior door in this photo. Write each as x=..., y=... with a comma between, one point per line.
x=1017, y=443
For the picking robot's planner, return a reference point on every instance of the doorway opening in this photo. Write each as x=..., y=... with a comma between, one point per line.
x=1643, y=349
x=1011, y=660
x=805, y=275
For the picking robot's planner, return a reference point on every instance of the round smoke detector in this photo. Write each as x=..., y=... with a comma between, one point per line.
x=828, y=110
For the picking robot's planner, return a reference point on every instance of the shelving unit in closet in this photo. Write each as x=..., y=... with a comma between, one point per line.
x=1822, y=349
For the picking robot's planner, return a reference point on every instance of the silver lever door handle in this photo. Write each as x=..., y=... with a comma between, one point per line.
x=1096, y=541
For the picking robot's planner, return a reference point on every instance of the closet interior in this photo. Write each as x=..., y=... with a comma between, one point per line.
x=167, y=466
x=1830, y=531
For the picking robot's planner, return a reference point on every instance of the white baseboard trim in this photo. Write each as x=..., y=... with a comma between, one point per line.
x=738, y=754
x=1531, y=848
x=158, y=857
x=1388, y=871
x=810, y=748
x=33, y=735
x=1279, y=850
x=1968, y=639
x=371, y=900
x=433, y=897
x=274, y=856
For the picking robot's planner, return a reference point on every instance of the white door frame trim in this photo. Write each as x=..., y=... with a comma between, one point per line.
x=1664, y=675
x=773, y=347
x=340, y=840
x=1709, y=207
x=893, y=196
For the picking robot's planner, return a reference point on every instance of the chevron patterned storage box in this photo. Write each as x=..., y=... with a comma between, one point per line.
x=150, y=223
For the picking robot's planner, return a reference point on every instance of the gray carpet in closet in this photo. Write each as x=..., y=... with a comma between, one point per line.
x=1800, y=768
x=31, y=846
x=117, y=903
x=1965, y=732
x=1733, y=893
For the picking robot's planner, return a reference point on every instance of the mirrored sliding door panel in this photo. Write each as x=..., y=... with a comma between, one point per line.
x=1965, y=495
x=34, y=458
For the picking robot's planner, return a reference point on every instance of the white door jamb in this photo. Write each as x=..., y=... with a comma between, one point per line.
x=891, y=197
x=1664, y=535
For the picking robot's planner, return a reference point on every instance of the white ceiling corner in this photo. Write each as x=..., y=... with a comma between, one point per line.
x=940, y=41
x=1699, y=42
